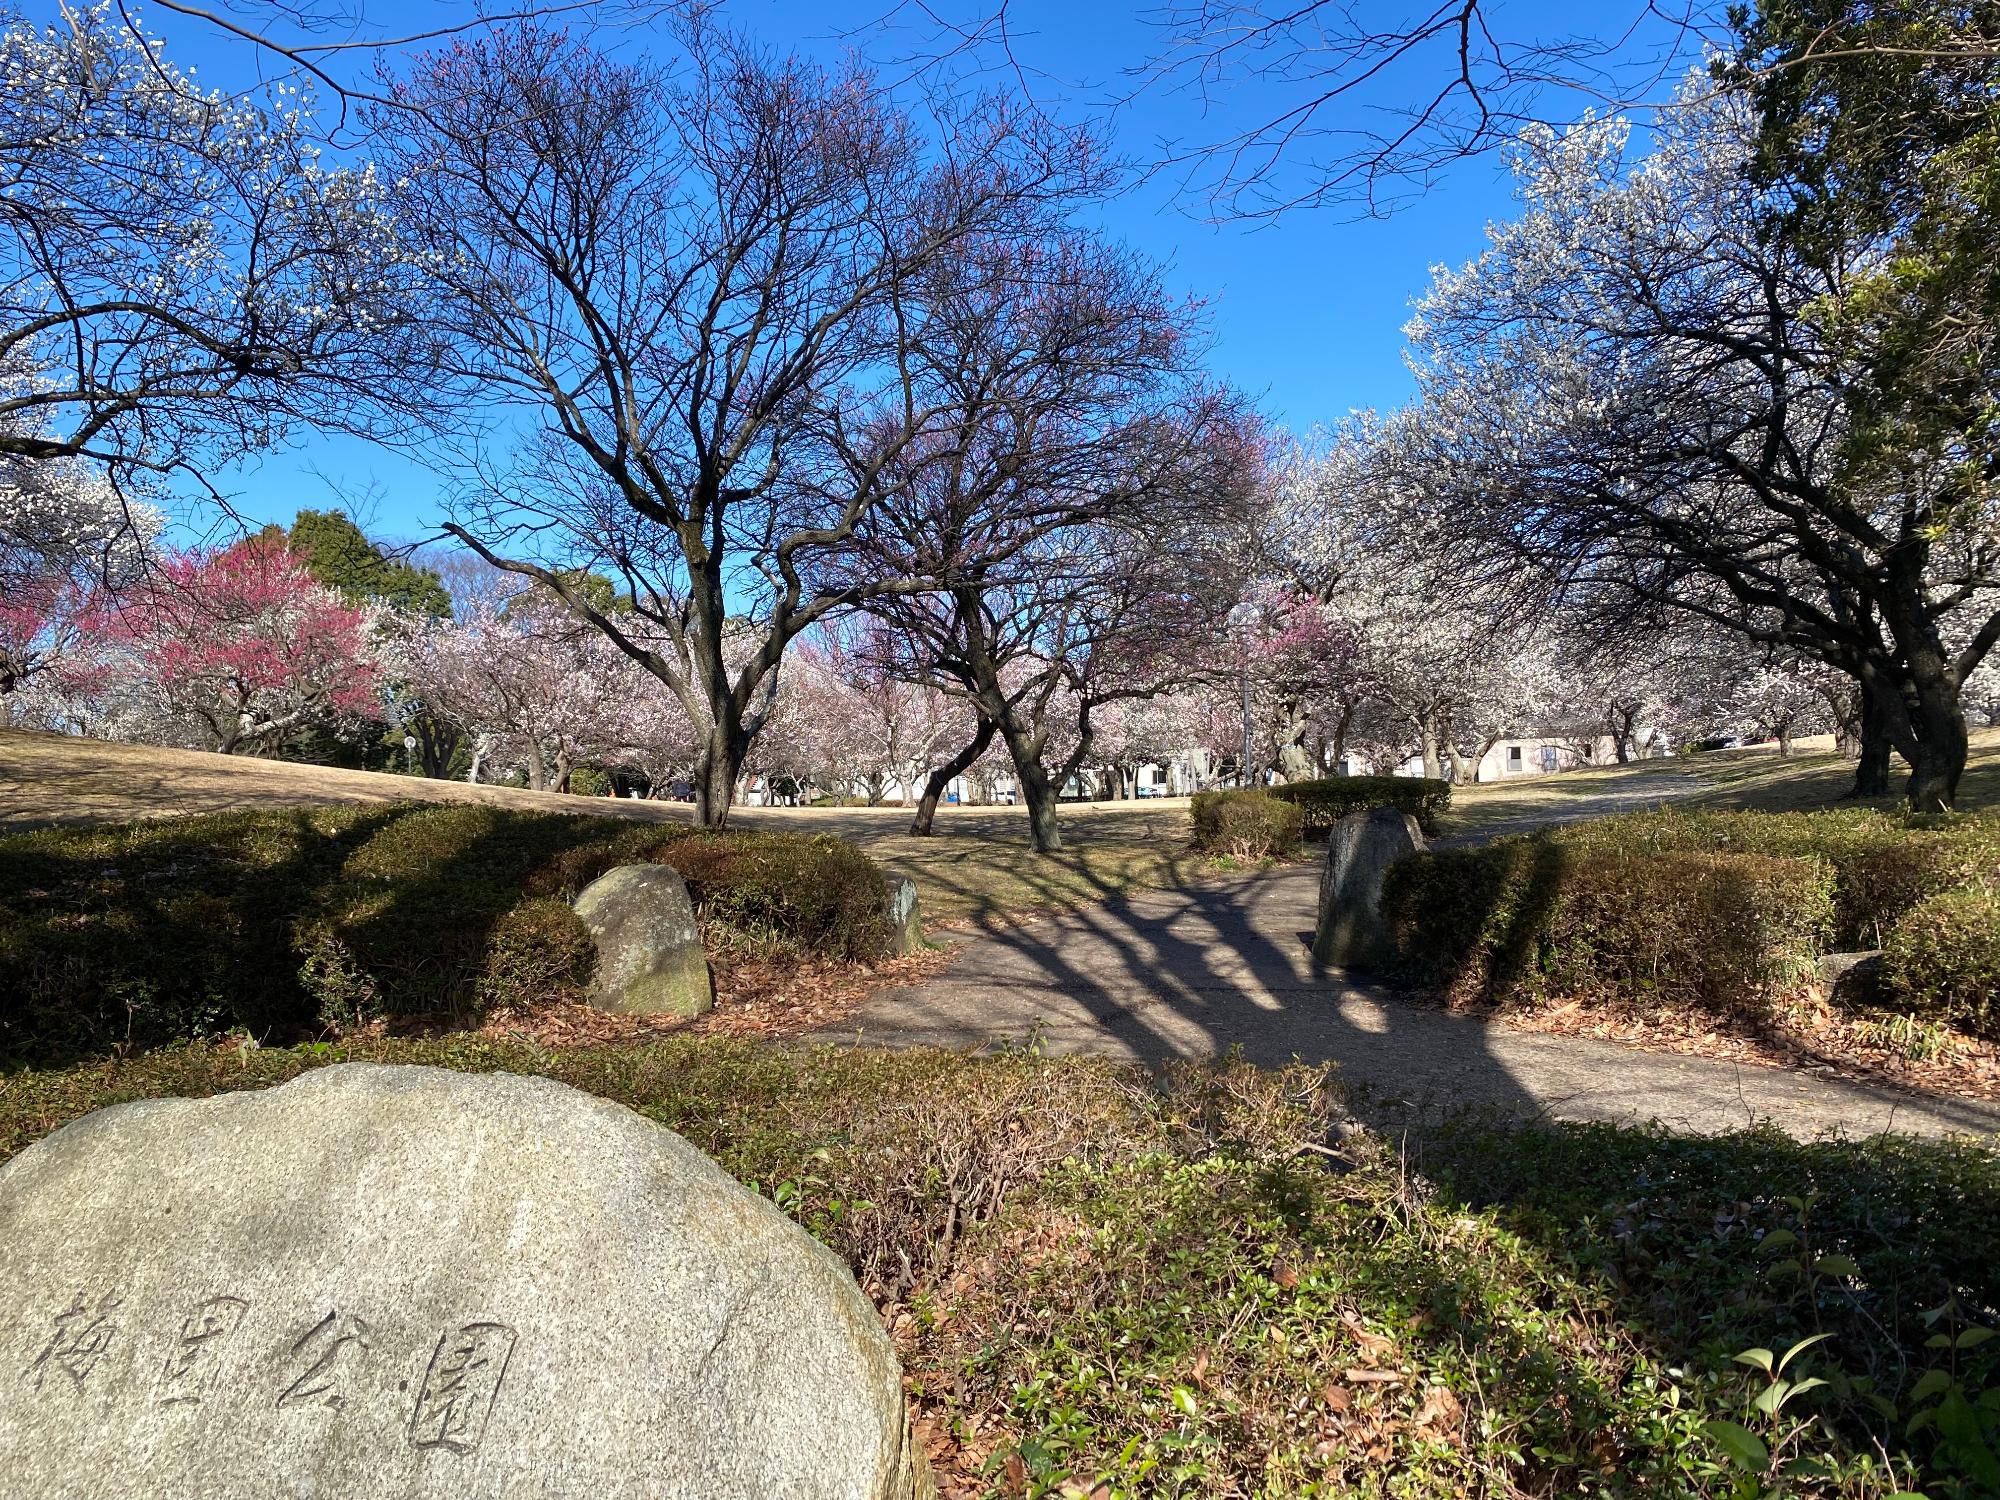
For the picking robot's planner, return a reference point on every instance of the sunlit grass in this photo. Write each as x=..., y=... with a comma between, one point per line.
x=979, y=864
x=1756, y=780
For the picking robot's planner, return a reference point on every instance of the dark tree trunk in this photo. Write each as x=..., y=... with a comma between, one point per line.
x=1844, y=702
x=1871, y=771
x=715, y=777
x=1340, y=727
x=1624, y=722
x=1871, y=767
x=1941, y=750
x=1427, y=743
x=1038, y=791
x=1041, y=796
x=942, y=777
x=437, y=742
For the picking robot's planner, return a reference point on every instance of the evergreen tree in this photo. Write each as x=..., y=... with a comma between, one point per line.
x=340, y=555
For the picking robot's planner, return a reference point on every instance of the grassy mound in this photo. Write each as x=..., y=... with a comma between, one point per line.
x=1107, y=1283
x=280, y=922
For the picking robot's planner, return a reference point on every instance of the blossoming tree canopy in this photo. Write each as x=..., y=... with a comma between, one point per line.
x=181, y=273
x=241, y=648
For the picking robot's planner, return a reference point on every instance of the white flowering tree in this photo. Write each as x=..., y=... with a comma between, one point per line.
x=1626, y=392
x=181, y=274
x=526, y=683
x=846, y=722
x=65, y=535
x=1399, y=641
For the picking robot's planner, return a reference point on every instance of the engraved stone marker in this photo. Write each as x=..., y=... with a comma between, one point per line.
x=1362, y=846
x=375, y=1282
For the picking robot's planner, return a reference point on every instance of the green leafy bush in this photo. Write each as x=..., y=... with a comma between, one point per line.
x=283, y=922
x=1326, y=802
x=1883, y=863
x=588, y=781
x=1247, y=823
x=1918, y=887
x=792, y=893
x=1528, y=919
x=1942, y=960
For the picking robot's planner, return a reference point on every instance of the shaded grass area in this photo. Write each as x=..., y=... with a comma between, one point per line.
x=980, y=866
x=284, y=922
x=1762, y=781
x=1202, y=1284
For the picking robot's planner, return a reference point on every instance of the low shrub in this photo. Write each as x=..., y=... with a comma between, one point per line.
x=281, y=923
x=1942, y=960
x=789, y=894
x=588, y=781
x=1327, y=801
x=1528, y=919
x=1882, y=863
x=1247, y=823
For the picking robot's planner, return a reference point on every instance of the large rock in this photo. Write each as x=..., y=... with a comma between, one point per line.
x=411, y=1283
x=649, y=956
x=1359, y=852
x=906, y=926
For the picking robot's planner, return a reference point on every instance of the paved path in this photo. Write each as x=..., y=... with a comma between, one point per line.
x=1189, y=973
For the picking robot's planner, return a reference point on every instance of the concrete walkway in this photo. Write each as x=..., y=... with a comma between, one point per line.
x=1190, y=973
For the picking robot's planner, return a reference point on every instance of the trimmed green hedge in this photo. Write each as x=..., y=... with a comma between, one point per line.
x=1882, y=863
x=282, y=922
x=1722, y=910
x=1326, y=802
x=1942, y=959
x=1528, y=919
x=1246, y=823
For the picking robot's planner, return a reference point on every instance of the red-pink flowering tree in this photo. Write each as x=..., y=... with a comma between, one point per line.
x=240, y=649
x=39, y=620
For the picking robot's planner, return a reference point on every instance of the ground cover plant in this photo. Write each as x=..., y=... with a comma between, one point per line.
x=286, y=922
x=1207, y=1282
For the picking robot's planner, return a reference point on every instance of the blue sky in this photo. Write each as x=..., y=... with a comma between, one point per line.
x=1306, y=311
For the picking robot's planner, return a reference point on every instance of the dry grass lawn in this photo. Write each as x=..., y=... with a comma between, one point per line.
x=1756, y=779
x=977, y=866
